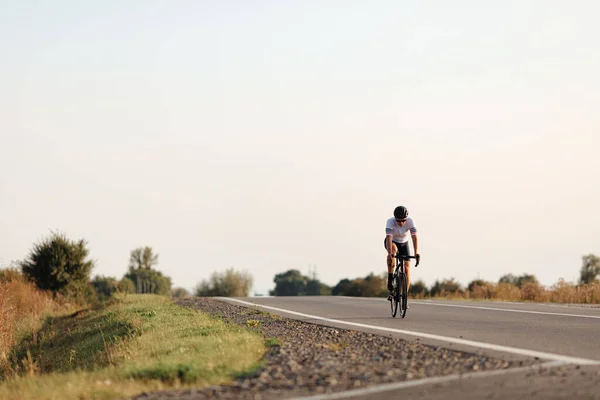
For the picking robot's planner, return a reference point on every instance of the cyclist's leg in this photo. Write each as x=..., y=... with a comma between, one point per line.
x=390, y=263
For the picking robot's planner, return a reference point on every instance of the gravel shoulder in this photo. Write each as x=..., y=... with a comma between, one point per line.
x=306, y=358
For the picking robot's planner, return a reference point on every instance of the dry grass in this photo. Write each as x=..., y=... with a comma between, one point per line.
x=560, y=292
x=564, y=292
x=22, y=308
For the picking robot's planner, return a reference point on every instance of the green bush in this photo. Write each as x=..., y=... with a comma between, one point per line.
x=179, y=293
x=229, y=283
x=60, y=265
x=126, y=285
x=446, y=287
x=418, y=289
x=149, y=281
x=105, y=286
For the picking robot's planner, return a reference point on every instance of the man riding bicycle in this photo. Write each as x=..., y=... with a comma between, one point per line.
x=396, y=240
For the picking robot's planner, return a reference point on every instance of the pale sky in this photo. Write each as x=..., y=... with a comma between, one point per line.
x=271, y=135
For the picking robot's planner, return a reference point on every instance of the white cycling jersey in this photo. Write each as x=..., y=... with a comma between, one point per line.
x=400, y=233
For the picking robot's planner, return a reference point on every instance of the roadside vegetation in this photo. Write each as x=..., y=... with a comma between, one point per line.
x=508, y=288
x=64, y=335
x=22, y=309
x=530, y=291
x=137, y=343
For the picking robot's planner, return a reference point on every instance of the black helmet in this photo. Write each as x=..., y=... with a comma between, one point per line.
x=400, y=212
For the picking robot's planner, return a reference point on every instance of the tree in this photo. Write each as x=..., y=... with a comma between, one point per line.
x=179, y=293
x=149, y=281
x=474, y=283
x=105, y=286
x=126, y=285
x=480, y=289
x=60, y=265
x=343, y=288
x=418, y=289
x=518, y=281
x=526, y=278
x=590, y=268
x=289, y=283
x=314, y=287
x=142, y=258
x=372, y=286
x=146, y=279
x=509, y=278
x=230, y=283
x=293, y=283
x=447, y=286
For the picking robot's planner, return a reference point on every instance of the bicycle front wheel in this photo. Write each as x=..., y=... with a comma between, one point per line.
x=396, y=294
x=403, y=294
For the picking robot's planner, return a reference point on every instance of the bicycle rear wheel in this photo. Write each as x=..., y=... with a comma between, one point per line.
x=403, y=294
x=394, y=306
x=394, y=301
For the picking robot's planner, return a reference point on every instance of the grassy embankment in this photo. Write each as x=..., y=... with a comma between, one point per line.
x=134, y=344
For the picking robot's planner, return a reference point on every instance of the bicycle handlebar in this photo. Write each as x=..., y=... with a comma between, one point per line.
x=403, y=257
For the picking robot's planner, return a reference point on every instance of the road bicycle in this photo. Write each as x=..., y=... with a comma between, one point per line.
x=399, y=294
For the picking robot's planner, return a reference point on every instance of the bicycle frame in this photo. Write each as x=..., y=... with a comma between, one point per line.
x=400, y=262
x=400, y=276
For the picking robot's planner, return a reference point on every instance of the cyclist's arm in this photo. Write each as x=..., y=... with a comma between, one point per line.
x=389, y=230
x=415, y=239
x=388, y=243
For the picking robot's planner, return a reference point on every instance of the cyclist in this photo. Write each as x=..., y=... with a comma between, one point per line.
x=396, y=240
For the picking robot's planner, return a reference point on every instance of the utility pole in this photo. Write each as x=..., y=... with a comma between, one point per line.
x=312, y=272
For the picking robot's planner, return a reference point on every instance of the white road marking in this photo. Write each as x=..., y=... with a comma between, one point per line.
x=433, y=303
x=424, y=381
x=489, y=346
x=427, y=303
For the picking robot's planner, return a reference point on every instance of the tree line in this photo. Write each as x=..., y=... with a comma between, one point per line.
x=62, y=266
x=293, y=283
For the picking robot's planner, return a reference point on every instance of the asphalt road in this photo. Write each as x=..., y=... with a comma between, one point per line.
x=556, y=334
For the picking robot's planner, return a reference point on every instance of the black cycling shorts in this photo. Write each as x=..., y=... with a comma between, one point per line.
x=403, y=249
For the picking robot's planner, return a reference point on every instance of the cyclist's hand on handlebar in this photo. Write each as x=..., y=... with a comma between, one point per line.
x=418, y=259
